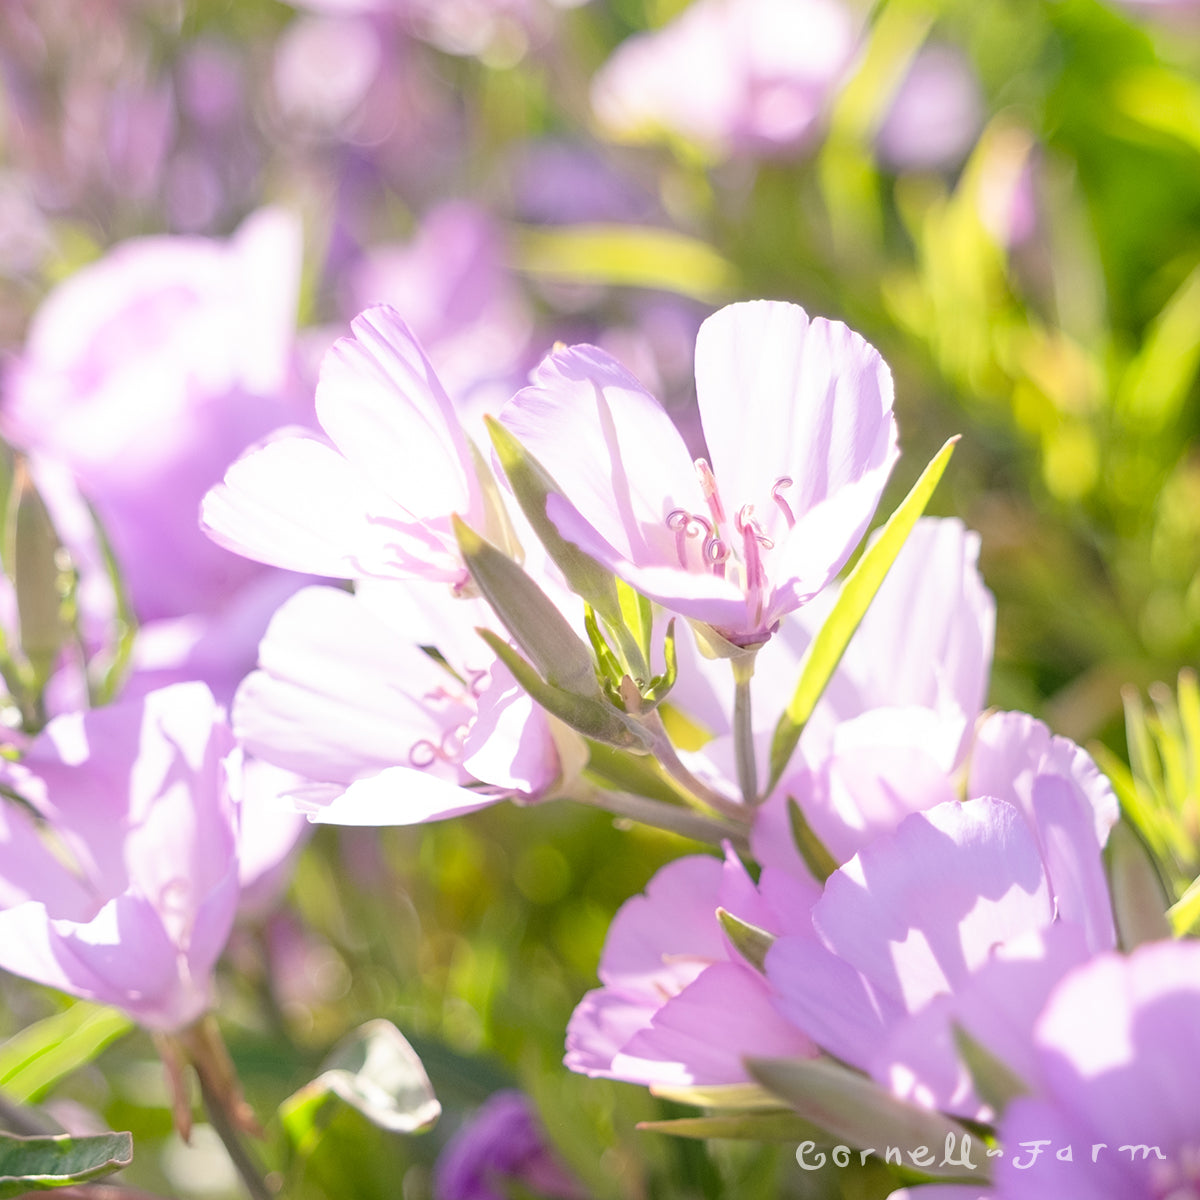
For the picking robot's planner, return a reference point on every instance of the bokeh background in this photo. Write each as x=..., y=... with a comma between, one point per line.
x=1002, y=195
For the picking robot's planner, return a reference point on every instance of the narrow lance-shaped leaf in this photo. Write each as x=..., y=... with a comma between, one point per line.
x=817, y=859
x=595, y=719
x=856, y=1110
x=542, y=632
x=825, y=652
x=753, y=1126
x=35, y=1164
x=751, y=942
x=532, y=485
x=1139, y=901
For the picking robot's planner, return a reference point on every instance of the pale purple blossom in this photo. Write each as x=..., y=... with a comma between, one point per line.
x=797, y=415
x=119, y=884
x=502, y=1144
x=769, y=69
x=374, y=498
x=380, y=732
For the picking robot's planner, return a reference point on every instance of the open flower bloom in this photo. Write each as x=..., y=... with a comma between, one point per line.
x=346, y=697
x=679, y=1005
x=918, y=912
x=797, y=415
x=123, y=884
x=376, y=498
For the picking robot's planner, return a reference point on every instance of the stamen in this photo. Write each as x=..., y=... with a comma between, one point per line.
x=423, y=754
x=684, y=525
x=477, y=681
x=747, y=524
x=708, y=485
x=783, y=482
x=756, y=577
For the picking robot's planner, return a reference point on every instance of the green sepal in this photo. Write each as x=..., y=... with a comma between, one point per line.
x=1138, y=897
x=751, y=942
x=555, y=649
x=855, y=1110
x=995, y=1084
x=858, y=590
x=777, y=1126
x=36, y=1164
x=594, y=718
x=820, y=863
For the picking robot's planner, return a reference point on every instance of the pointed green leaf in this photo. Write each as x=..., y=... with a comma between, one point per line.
x=995, y=1084
x=533, y=485
x=35, y=1164
x=855, y=1109
x=751, y=942
x=817, y=859
x=825, y=651
x=610, y=668
x=35, y=1059
x=732, y=1096
x=375, y=1071
x=1138, y=898
x=555, y=649
x=595, y=719
x=780, y=1126
x=1184, y=914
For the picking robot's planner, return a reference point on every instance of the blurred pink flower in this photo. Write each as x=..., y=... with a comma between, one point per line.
x=145, y=373
x=935, y=115
x=797, y=415
x=376, y=499
x=122, y=884
x=769, y=68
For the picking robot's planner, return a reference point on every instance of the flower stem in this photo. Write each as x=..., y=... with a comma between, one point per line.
x=694, y=789
x=247, y=1168
x=743, y=731
x=668, y=817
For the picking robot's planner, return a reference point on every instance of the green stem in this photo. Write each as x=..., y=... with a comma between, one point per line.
x=694, y=790
x=245, y=1164
x=743, y=731
x=668, y=817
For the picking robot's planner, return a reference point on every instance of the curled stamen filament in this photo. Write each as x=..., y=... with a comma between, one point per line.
x=781, y=483
x=747, y=524
x=423, y=754
x=477, y=681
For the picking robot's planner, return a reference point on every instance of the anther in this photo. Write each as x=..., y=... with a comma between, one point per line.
x=780, y=484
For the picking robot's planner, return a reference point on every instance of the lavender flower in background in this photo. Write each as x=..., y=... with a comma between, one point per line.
x=769, y=69
x=502, y=1145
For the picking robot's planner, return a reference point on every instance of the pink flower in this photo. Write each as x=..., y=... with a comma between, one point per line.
x=376, y=498
x=679, y=1006
x=769, y=69
x=124, y=888
x=384, y=734
x=798, y=419
x=145, y=373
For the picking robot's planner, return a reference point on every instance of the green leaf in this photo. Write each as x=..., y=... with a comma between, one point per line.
x=825, y=652
x=595, y=719
x=34, y=1060
x=1184, y=914
x=1139, y=901
x=817, y=859
x=626, y=255
x=778, y=1126
x=734, y=1096
x=377, y=1073
x=856, y=1110
x=34, y=1164
x=751, y=942
x=555, y=649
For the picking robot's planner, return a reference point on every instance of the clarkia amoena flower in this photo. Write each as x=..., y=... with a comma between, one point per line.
x=797, y=416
